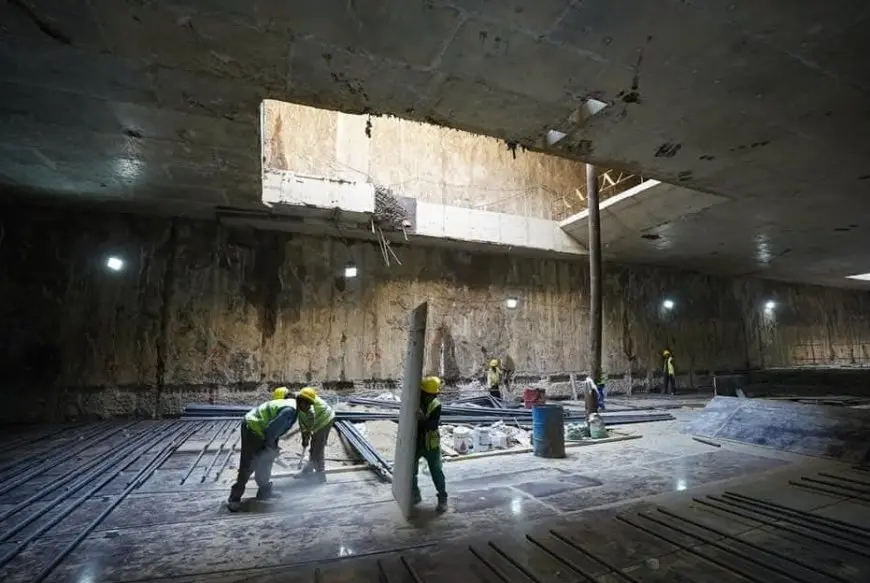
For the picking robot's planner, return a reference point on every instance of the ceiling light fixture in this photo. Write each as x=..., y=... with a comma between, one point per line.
x=861, y=276
x=668, y=304
x=769, y=306
x=115, y=263
x=350, y=271
x=512, y=303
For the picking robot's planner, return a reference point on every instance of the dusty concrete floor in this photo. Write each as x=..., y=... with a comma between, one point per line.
x=168, y=530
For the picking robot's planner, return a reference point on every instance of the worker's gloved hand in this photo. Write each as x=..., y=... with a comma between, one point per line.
x=306, y=439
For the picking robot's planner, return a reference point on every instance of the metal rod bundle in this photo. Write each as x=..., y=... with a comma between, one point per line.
x=365, y=448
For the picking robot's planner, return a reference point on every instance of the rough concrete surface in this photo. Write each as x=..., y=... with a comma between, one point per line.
x=205, y=313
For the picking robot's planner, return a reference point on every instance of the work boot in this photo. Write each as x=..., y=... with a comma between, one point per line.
x=266, y=493
x=234, y=505
x=442, y=505
x=320, y=477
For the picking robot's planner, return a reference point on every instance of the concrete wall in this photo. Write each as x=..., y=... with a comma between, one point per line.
x=206, y=313
x=427, y=162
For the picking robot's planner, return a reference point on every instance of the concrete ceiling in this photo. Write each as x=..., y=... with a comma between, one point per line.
x=763, y=103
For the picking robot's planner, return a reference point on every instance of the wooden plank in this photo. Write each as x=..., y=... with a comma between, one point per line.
x=406, y=436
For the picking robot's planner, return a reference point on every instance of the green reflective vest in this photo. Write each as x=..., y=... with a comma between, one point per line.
x=669, y=365
x=493, y=377
x=432, y=438
x=317, y=417
x=258, y=418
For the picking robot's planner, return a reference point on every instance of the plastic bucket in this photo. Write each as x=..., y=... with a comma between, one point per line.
x=462, y=439
x=548, y=431
x=481, y=439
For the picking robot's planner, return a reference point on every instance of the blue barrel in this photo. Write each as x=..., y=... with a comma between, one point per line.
x=548, y=431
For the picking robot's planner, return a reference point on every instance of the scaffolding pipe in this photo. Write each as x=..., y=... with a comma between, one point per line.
x=220, y=427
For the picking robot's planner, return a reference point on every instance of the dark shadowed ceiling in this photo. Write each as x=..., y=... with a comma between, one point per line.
x=764, y=103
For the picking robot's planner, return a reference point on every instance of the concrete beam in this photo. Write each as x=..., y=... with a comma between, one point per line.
x=285, y=190
x=645, y=210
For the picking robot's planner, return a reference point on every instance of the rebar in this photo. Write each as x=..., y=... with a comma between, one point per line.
x=53, y=463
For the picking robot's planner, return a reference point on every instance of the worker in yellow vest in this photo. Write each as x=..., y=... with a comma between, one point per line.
x=315, y=420
x=280, y=393
x=668, y=370
x=493, y=378
x=429, y=441
x=261, y=429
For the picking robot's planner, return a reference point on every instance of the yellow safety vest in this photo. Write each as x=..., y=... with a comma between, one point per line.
x=669, y=365
x=258, y=418
x=493, y=376
x=432, y=438
x=317, y=417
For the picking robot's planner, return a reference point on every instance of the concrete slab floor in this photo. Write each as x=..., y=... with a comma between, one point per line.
x=164, y=529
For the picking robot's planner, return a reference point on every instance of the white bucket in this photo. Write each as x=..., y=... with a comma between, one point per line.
x=499, y=440
x=481, y=439
x=462, y=441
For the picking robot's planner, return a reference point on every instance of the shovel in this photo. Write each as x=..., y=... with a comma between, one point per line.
x=301, y=459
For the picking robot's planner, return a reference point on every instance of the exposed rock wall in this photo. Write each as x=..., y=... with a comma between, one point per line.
x=201, y=312
x=427, y=162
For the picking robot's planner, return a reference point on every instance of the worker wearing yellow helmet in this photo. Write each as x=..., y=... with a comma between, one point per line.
x=493, y=378
x=669, y=372
x=280, y=393
x=429, y=440
x=315, y=420
x=261, y=429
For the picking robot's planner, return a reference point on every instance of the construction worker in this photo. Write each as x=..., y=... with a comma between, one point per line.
x=315, y=420
x=668, y=369
x=261, y=429
x=602, y=385
x=429, y=440
x=493, y=378
x=280, y=393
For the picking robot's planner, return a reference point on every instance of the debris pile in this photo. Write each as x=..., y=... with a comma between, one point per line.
x=389, y=213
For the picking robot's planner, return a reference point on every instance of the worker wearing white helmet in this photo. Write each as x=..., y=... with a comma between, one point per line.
x=429, y=440
x=315, y=420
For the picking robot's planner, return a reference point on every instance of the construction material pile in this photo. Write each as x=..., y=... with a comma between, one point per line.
x=368, y=426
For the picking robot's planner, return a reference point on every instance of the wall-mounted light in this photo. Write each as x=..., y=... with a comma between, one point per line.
x=512, y=303
x=769, y=305
x=668, y=304
x=115, y=263
x=350, y=271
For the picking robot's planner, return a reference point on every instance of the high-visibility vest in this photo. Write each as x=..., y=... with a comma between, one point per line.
x=258, y=418
x=669, y=365
x=431, y=438
x=493, y=376
x=317, y=417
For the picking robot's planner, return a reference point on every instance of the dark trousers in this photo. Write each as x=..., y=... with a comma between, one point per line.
x=255, y=459
x=495, y=392
x=670, y=384
x=433, y=458
x=316, y=460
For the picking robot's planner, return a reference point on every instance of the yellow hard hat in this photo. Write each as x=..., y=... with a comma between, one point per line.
x=431, y=385
x=666, y=353
x=307, y=393
x=280, y=393
x=493, y=362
